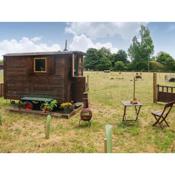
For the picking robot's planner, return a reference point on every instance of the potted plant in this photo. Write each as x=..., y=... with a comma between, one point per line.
x=49, y=106
x=67, y=107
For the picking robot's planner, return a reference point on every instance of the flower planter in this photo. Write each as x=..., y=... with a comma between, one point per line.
x=68, y=110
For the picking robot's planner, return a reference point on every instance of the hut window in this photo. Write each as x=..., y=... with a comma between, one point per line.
x=40, y=64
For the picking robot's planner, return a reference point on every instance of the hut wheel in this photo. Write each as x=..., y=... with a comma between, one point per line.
x=28, y=105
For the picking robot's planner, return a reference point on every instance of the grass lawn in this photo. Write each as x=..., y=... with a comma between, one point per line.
x=25, y=133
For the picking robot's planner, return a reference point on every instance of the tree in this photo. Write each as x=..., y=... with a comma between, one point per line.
x=140, y=51
x=119, y=66
x=91, y=59
x=104, y=61
x=98, y=59
x=166, y=60
x=105, y=52
x=121, y=55
x=137, y=66
x=156, y=66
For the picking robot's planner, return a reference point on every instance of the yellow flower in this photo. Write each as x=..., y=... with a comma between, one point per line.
x=65, y=105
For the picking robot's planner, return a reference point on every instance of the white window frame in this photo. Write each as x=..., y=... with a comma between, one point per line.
x=43, y=58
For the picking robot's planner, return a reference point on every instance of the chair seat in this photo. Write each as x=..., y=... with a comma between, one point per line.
x=157, y=113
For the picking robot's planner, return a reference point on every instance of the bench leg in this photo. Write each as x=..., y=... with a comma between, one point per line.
x=124, y=114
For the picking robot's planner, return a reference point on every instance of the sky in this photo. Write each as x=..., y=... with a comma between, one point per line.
x=51, y=36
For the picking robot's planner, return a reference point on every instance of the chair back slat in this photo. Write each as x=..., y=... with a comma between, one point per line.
x=167, y=108
x=169, y=104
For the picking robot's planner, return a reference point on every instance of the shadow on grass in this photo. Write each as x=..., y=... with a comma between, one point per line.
x=83, y=124
x=128, y=124
x=130, y=127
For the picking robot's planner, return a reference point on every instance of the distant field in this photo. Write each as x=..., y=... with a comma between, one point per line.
x=25, y=133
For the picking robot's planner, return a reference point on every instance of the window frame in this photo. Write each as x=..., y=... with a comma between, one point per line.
x=34, y=65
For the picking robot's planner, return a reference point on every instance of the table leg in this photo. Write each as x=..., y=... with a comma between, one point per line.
x=137, y=111
x=124, y=114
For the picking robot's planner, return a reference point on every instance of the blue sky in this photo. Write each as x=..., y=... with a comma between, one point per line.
x=48, y=36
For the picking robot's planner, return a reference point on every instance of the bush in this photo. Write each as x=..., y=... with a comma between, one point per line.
x=156, y=66
x=119, y=66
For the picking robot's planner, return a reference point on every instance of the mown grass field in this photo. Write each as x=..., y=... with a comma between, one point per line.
x=25, y=133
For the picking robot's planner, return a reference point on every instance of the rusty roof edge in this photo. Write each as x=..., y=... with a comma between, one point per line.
x=44, y=53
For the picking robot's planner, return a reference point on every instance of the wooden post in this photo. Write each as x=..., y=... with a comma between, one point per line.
x=134, y=87
x=154, y=87
x=73, y=66
x=47, y=127
x=108, y=139
x=87, y=82
x=0, y=120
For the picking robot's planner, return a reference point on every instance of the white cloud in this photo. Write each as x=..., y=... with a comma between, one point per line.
x=106, y=29
x=26, y=44
x=35, y=44
x=82, y=42
x=35, y=39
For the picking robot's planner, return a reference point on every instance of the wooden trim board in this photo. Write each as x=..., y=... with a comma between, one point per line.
x=54, y=114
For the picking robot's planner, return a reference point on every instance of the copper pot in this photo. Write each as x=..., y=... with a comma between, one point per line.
x=86, y=114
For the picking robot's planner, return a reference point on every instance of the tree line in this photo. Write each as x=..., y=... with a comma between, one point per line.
x=138, y=57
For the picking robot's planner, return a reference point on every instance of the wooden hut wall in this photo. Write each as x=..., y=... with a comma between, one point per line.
x=20, y=79
x=68, y=77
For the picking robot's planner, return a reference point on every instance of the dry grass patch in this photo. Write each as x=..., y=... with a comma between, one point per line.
x=25, y=133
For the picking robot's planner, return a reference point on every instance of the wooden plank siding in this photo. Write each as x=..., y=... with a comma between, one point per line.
x=68, y=78
x=20, y=79
x=57, y=82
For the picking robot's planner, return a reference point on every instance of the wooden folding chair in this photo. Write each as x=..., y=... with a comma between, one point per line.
x=160, y=116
